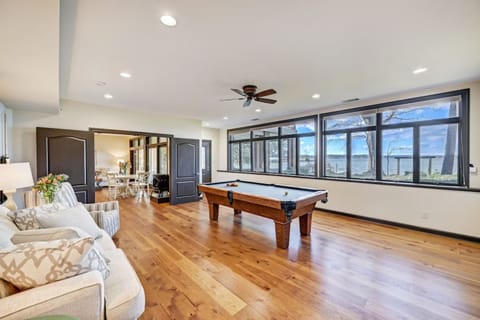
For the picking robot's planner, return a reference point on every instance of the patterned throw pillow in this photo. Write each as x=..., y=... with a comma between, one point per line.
x=6, y=289
x=26, y=219
x=33, y=264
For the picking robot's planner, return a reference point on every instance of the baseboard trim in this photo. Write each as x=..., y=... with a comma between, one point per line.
x=404, y=225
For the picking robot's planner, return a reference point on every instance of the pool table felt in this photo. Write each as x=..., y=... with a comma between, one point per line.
x=270, y=191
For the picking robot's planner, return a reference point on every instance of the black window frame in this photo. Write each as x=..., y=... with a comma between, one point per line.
x=463, y=138
x=277, y=138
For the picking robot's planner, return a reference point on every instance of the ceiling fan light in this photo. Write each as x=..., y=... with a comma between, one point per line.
x=169, y=21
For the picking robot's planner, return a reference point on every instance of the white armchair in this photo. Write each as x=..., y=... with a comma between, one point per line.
x=106, y=214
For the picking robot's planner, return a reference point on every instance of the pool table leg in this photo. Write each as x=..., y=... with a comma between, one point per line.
x=213, y=211
x=282, y=234
x=306, y=224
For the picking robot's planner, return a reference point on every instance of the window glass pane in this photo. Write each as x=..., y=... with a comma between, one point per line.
x=235, y=156
x=153, y=140
x=397, y=154
x=362, y=164
x=152, y=163
x=289, y=151
x=258, y=156
x=307, y=163
x=265, y=132
x=152, y=160
x=439, y=154
x=239, y=136
x=336, y=155
x=272, y=155
x=301, y=126
x=246, y=160
x=163, y=151
x=350, y=121
x=428, y=111
x=162, y=139
x=141, y=160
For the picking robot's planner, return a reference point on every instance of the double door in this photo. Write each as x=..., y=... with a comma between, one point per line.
x=72, y=152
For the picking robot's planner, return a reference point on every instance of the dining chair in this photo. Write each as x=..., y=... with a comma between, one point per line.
x=115, y=187
x=142, y=185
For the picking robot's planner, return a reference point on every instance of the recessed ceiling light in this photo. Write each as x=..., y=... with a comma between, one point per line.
x=258, y=110
x=316, y=96
x=101, y=83
x=419, y=70
x=108, y=96
x=125, y=75
x=169, y=21
x=225, y=118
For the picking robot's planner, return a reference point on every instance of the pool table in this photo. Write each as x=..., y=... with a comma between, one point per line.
x=277, y=202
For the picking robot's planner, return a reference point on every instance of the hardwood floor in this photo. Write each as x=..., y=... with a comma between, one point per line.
x=347, y=269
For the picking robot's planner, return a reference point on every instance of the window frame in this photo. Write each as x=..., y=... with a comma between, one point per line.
x=277, y=138
x=463, y=138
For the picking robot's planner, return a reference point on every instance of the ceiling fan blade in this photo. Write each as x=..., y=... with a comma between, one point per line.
x=247, y=103
x=240, y=92
x=265, y=100
x=265, y=93
x=232, y=99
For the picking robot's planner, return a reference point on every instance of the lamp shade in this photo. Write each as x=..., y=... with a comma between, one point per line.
x=15, y=175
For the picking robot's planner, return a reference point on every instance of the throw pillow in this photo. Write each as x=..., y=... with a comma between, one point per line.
x=76, y=216
x=26, y=219
x=7, y=289
x=33, y=264
x=50, y=234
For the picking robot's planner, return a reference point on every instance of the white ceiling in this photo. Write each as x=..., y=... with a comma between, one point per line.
x=340, y=49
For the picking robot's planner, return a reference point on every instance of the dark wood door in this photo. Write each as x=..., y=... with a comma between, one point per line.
x=206, y=161
x=185, y=170
x=70, y=152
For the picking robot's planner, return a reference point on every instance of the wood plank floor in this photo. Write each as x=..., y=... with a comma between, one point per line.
x=347, y=269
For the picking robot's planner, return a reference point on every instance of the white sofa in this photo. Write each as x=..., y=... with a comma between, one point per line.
x=106, y=214
x=85, y=296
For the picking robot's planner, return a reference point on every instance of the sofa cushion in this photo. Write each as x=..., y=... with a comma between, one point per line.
x=76, y=216
x=124, y=295
x=33, y=264
x=48, y=234
x=27, y=219
x=7, y=229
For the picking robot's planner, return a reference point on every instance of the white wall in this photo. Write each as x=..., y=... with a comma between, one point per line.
x=109, y=149
x=80, y=116
x=451, y=211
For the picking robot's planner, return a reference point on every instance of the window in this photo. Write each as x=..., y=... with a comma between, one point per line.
x=287, y=148
x=420, y=140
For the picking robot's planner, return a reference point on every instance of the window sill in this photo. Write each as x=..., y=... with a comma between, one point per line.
x=386, y=183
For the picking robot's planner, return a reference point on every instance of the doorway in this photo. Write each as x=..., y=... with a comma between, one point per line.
x=131, y=153
x=206, y=161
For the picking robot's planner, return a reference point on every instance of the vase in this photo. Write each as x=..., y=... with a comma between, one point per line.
x=47, y=198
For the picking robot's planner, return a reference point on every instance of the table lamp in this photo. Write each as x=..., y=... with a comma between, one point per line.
x=14, y=176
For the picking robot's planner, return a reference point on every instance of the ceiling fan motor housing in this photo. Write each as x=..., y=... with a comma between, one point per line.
x=249, y=89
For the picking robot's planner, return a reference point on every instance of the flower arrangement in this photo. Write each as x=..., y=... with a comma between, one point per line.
x=49, y=185
x=124, y=166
